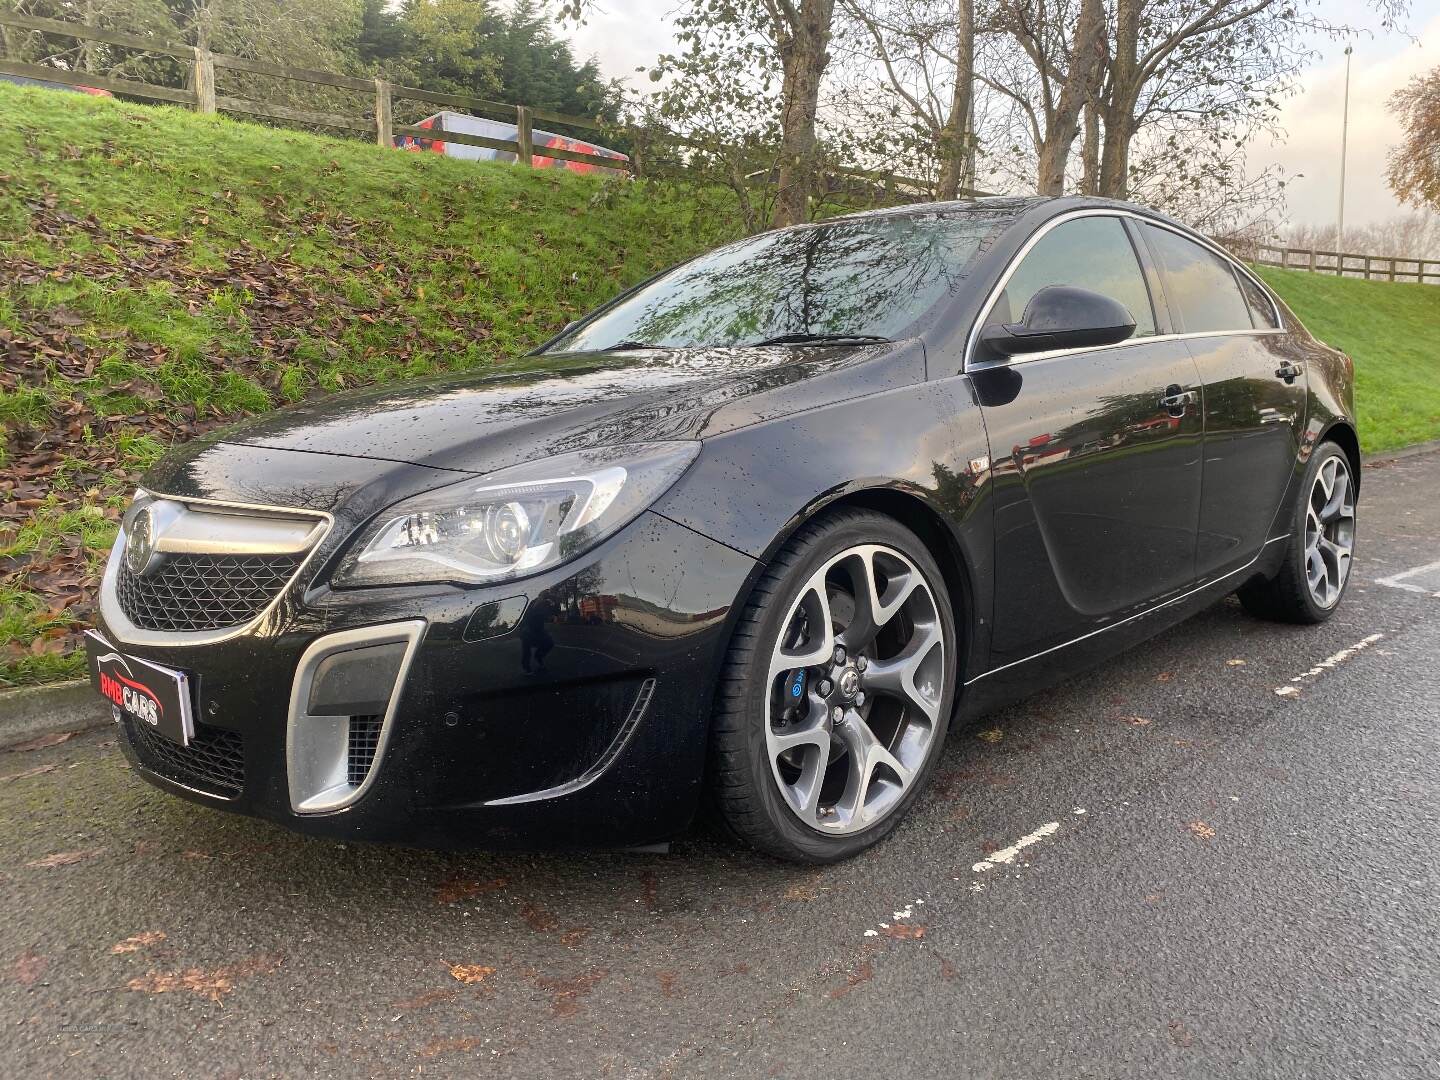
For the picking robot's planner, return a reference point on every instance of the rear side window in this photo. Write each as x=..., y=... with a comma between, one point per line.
x=1262, y=310
x=1089, y=253
x=1199, y=284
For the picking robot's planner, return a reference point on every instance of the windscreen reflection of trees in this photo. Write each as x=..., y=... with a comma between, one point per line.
x=874, y=277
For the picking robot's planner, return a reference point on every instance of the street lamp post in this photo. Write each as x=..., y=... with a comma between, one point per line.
x=1344, y=137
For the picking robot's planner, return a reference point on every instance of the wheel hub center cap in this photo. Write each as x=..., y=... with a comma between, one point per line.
x=848, y=683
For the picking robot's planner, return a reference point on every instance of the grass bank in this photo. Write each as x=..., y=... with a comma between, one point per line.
x=1393, y=332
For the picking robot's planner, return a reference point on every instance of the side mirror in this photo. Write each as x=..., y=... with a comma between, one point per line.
x=1061, y=317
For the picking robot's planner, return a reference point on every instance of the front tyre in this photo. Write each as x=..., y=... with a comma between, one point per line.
x=836, y=693
x=1316, y=568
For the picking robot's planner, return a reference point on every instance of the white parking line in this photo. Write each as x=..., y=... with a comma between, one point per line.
x=1330, y=662
x=1005, y=856
x=1397, y=581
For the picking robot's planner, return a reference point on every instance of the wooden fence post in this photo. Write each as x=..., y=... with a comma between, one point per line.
x=204, y=81
x=384, y=114
x=524, y=136
x=1312, y=260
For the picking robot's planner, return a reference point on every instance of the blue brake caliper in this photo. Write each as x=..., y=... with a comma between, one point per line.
x=795, y=686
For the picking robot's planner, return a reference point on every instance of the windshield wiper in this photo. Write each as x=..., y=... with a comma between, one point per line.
x=810, y=339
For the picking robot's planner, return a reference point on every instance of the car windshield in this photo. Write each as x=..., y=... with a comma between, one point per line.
x=859, y=279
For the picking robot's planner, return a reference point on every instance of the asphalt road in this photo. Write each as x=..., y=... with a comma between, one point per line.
x=1215, y=880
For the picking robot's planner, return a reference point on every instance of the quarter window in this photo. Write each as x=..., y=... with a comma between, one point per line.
x=1262, y=309
x=1200, y=285
x=1089, y=253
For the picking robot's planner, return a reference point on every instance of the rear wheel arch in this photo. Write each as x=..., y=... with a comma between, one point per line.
x=1342, y=434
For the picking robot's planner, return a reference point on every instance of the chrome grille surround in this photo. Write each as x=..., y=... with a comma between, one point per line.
x=216, y=569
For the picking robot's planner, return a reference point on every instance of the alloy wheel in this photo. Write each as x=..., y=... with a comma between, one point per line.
x=1329, y=531
x=855, y=684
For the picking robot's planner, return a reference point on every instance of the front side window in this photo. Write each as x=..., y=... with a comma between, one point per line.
x=1200, y=285
x=1088, y=253
x=865, y=277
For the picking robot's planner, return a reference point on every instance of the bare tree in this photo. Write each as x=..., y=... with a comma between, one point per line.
x=801, y=32
x=1064, y=67
x=925, y=53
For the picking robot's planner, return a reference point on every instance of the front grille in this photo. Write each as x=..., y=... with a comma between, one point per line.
x=214, y=761
x=364, y=741
x=203, y=592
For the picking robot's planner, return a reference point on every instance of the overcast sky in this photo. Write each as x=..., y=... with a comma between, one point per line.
x=626, y=34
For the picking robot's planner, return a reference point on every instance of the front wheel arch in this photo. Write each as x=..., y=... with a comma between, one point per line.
x=917, y=515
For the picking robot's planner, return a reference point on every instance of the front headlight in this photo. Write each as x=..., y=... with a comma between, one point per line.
x=516, y=521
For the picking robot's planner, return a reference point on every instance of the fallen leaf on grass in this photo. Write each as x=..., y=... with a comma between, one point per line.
x=42, y=741
x=211, y=985
x=1200, y=829
x=469, y=974
x=136, y=942
x=66, y=858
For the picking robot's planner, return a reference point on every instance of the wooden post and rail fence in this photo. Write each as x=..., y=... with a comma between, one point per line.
x=1341, y=264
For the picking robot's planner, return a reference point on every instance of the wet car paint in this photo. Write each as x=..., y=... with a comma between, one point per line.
x=492, y=733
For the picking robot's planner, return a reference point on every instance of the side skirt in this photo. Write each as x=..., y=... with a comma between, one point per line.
x=1001, y=686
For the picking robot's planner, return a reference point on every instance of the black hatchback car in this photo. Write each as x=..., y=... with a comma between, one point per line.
x=751, y=537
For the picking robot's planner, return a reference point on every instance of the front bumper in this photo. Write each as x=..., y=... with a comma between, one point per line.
x=581, y=722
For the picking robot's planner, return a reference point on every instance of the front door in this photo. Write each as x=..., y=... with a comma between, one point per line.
x=1096, y=479
x=1255, y=396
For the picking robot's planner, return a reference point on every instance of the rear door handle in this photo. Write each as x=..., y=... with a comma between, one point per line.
x=1176, y=399
x=1289, y=372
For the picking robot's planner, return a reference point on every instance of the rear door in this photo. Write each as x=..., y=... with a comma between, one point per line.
x=1254, y=397
x=1096, y=481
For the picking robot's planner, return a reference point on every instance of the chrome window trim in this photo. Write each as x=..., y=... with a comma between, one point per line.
x=339, y=795
x=1201, y=587
x=123, y=630
x=973, y=338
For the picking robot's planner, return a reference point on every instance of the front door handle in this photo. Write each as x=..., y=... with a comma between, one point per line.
x=1176, y=399
x=1289, y=372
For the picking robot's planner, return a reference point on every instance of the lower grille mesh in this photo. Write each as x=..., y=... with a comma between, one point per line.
x=213, y=762
x=364, y=741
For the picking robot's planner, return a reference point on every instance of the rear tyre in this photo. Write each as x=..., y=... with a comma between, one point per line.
x=836, y=693
x=1311, y=580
